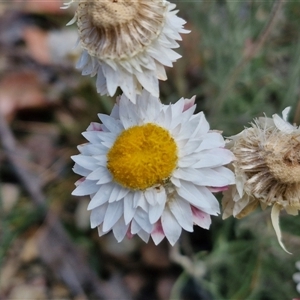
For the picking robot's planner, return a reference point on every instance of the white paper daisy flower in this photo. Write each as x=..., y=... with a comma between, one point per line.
x=267, y=169
x=150, y=169
x=127, y=43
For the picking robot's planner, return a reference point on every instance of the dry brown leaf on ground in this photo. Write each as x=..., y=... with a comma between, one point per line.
x=49, y=7
x=36, y=42
x=51, y=47
x=20, y=90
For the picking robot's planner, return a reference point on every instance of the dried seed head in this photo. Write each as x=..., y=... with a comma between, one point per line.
x=119, y=29
x=127, y=43
x=270, y=161
x=283, y=157
x=267, y=169
x=111, y=13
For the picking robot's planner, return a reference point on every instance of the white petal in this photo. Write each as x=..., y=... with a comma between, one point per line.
x=97, y=215
x=211, y=140
x=199, y=197
x=128, y=116
x=137, y=197
x=171, y=228
x=112, y=78
x=155, y=212
x=161, y=195
x=202, y=127
x=148, y=107
x=84, y=161
x=101, y=196
x=129, y=208
x=144, y=235
x=92, y=137
x=83, y=60
x=87, y=187
x=149, y=81
x=117, y=193
x=101, y=160
x=182, y=211
x=98, y=173
x=282, y=125
x=101, y=82
x=201, y=218
x=217, y=177
x=111, y=124
x=150, y=195
x=105, y=178
x=190, y=148
x=113, y=213
x=157, y=234
x=206, y=159
x=94, y=126
x=120, y=229
x=135, y=227
x=80, y=170
x=100, y=230
x=92, y=149
x=128, y=85
x=285, y=113
x=107, y=138
x=214, y=158
x=275, y=222
x=142, y=202
x=176, y=181
x=142, y=218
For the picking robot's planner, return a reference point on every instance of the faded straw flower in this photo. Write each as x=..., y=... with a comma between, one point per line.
x=150, y=169
x=267, y=169
x=127, y=43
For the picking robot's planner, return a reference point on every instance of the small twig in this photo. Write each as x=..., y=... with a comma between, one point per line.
x=13, y=153
x=195, y=268
x=247, y=57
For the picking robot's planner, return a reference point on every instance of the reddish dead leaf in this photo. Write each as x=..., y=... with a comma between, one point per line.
x=51, y=7
x=37, y=46
x=135, y=282
x=20, y=90
x=164, y=287
x=155, y=256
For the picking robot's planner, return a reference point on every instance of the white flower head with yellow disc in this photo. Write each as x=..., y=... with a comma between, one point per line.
x=151, y=169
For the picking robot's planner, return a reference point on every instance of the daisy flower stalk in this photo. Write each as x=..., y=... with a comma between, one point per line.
x=127, y=43
x=151, y=169
x=267, y=169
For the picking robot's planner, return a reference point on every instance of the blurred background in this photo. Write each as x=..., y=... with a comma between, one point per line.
x=242, y=59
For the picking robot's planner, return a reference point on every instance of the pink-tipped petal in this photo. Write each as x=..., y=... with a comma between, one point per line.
x=129, y=235
x=79, y=181
x=94, y=126
x=218, y=189
x=188, y=103
x=201, y=218
x=157, y=234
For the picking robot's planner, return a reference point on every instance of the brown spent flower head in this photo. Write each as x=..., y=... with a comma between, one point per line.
x=267, y=169
x=127, y=43
x=122, y=28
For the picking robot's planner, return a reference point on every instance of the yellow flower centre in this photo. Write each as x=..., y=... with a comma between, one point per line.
x=142, y=156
